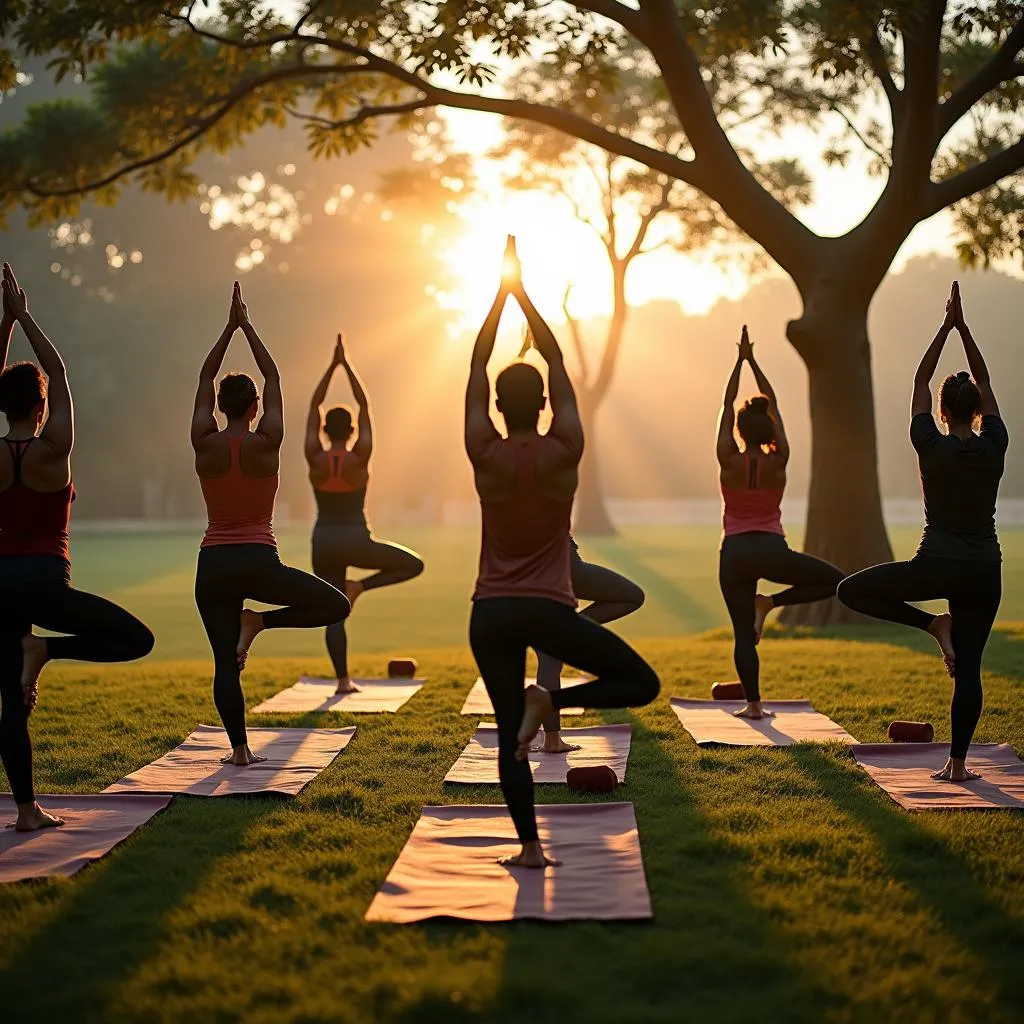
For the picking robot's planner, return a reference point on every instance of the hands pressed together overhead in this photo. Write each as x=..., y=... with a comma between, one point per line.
x=954, y=308
x=15, y=301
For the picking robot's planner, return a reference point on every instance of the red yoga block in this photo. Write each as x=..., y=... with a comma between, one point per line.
x=727, y=691
x=402, y=668
x=599, y=778
x=911, y=732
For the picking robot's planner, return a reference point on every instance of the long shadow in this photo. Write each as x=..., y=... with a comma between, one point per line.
x=942, y=880
x=113, y=915
x=686, y=964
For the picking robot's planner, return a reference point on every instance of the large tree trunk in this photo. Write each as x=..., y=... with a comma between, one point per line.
x=591, y=513
x=845, y=525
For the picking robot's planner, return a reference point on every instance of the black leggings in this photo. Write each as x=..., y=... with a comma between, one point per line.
x=226, y=576
x=747, y=558
x=35, y=590
x=500, y=631
x=973, y=590
x=335, y=549
x=612, y=597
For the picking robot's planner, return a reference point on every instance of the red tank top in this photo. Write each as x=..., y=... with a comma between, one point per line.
x=524, y=547
x=33, y=522
x=752, y=509
x=240, y=508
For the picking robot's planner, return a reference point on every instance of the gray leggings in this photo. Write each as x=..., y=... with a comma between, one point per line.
x=335, y=550
x=613, y=596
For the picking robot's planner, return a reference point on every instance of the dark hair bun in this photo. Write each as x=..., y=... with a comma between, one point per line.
x=755, y=423
x=963, y=376
x=758, y=405
x=960, y=398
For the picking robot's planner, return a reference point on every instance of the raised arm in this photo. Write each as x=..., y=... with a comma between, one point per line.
x=725, y=446
x=975, y=360
x=7, y=322
x=479, y=430
x=921, y=401
x=59, y=432
x=271, y=424
x=313, y=444
x=204, y=418
x=766, y=389
x=363, y=448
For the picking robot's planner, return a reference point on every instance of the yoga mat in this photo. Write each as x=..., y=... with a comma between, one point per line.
x=478, y=703
x=795, y=721
x=93, y=826
x=904, y=770
x=311, y=694
x=600, y=744
x=448, y=867
x=294, y=758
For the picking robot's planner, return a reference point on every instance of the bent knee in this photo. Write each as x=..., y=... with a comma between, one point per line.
x=635, y=596
x=416, y=566
x=848, y=591
x=145, y=641
x=648, y=685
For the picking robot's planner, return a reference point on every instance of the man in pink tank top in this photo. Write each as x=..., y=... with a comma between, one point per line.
x=523, y=596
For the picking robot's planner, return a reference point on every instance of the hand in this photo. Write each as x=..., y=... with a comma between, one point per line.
x=746, y=346
x=511, y=268
x=340, y=355
x=958, y=305
x=15, y=301
x=239, y=310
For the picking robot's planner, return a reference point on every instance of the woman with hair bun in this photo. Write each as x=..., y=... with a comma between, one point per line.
x=238, y=560
x=754, y=548
x=339, y=473
x=959, y=558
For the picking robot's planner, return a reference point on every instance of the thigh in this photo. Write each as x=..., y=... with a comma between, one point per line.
x=222, y=620
x=367, y=552
x=499, y=648
x=915, y=580
x=328, y=561
x=575, y=640
x=278, y=584
x=794, y=568
x=70, y=611
x=597, y=583
x=973, y=606
x=739, y=587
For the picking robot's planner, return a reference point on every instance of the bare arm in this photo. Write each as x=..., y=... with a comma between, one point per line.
x=766, y=389
x=975, y=360
x=921, y=401
x=479, y=430
x=726, y=445
x=59, y=432
x=363, y=448
x=204, y=419
x=7, y=322
x=313, y=445
x=271, y=424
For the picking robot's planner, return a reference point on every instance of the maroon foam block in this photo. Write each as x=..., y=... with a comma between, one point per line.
x=598, y=778
x=402, y=668
x=911, y=732
x=727, y=691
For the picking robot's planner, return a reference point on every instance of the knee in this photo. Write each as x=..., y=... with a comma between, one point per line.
x=848, y=591
x=648, y=685
x=142, y=641
x=635, y=596
x=416, y=566
x=341, y=607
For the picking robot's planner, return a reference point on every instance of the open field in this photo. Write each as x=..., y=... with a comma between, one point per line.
x=786, y=885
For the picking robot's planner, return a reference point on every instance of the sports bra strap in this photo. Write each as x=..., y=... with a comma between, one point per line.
x=18, y=449
x=337, y=464
x=752, y=472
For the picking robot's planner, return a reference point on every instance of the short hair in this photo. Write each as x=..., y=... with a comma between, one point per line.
x=756, y=423
x=960, y=398
x=338, y=423
x=235, y=395
x=520, y=392
x=22, y=389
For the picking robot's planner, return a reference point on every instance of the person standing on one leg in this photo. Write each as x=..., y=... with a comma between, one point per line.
x=238, y=560
x=35, y=568
x=523, y=596
x=754, y=548
x=339, y=474
x=959, y=558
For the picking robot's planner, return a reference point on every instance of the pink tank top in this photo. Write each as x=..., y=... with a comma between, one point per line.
x=752, y=509
x=524, y=547
x=240, y=508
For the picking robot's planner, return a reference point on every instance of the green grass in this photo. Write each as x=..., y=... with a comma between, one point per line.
x=786, y=886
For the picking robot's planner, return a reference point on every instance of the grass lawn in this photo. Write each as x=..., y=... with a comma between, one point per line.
x=786, y=886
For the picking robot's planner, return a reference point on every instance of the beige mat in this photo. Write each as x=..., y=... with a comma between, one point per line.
x=311, y=694
x=478, y=703
x=904, y=770
x=795, y=721
x=93, y=826
x=449, y=868
x=294, y=758
x=599, y=744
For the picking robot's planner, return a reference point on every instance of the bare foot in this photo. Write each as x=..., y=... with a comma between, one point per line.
x=346, y=686
x=538, y=707
x=955, y=770
x=752, y=709
x=532, y=855
x=762, y=606
x=942, y=629
x=554, y=744
x=32, y=817
x=353, y=588
x=33, y=657
x=251, y=627
x=242, y=757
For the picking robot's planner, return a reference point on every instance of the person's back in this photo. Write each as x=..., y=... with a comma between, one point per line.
x=752, y=487
x=340, y=493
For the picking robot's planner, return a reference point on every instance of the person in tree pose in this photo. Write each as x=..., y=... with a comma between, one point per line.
x=238, y=470
x=959, y=559
x=754, y=548
x=523, y=598
x=35, y=567
x=339, y=473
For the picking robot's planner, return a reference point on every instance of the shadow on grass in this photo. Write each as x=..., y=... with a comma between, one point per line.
x=920, y=861
x=112, y=917
x=688, y=963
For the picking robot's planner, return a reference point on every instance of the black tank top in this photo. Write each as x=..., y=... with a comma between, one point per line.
x=338, y=503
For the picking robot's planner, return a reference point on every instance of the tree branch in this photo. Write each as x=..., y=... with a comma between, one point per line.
x=363, y=113
x=629, y=18
x=1001, y=67
x=943, y=194
x=577, y=339
x=876, y=55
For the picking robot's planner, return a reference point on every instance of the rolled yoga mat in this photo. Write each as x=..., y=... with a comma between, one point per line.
x=727, y=691
x=598, y=778
x=911, y=732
